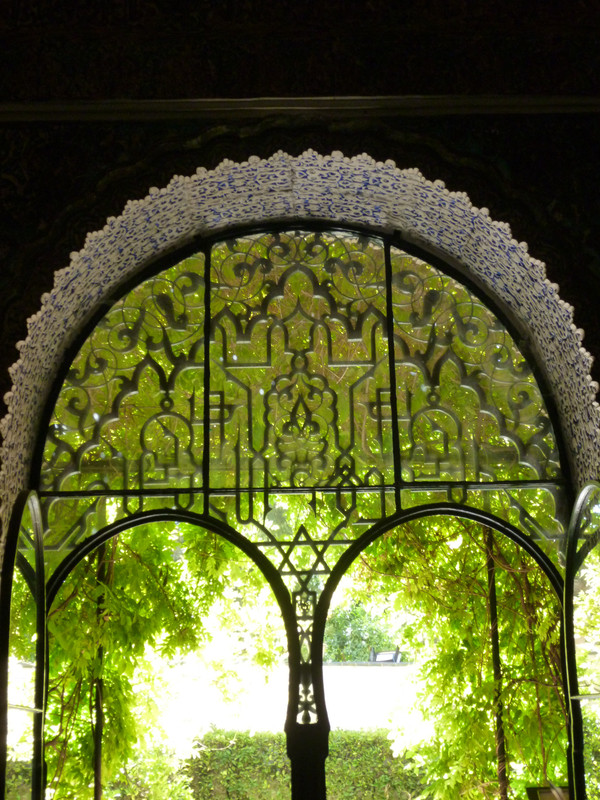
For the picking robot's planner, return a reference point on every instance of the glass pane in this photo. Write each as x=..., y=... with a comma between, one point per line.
x=469, y=407
x=303, y=534
x=299, y=389
x=130, y=412
x=539, y=511
x=299, y=369
x=70, y=520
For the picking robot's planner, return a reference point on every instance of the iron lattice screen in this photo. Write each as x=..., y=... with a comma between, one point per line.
x=298, y=387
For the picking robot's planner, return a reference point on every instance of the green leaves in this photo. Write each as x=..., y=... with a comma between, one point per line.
x=351, y=632
x=243, y=766
x=151, y=587
x=436, y=568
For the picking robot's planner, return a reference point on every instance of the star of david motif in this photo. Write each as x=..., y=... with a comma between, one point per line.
x=303, y=539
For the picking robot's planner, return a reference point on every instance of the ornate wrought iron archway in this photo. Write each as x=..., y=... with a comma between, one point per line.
x=298, y=389
x=346, y=192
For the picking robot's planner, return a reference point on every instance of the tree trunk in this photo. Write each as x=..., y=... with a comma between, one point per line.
x=497, y=666
x=103, y=578
x=98, y=731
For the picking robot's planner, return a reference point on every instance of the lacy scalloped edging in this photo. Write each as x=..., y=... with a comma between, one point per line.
x=355, y=190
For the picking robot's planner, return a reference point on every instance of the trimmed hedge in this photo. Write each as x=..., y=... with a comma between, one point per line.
x=240, y=766
x=361, y=765
x=18, y=780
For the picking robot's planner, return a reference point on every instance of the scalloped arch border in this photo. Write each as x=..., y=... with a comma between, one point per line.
x=355, y=190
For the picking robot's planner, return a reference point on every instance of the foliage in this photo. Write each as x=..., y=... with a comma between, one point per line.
x=152, y=586
x=361, y=764
x=352, y=631
x=239, y=765
x=18, y=780
x=244, y=766
x=438, y=568
x=591, y=753
x=155, y=774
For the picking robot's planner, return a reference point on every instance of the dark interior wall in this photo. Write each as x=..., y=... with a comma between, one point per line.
x=66, y=49
x=65, y=167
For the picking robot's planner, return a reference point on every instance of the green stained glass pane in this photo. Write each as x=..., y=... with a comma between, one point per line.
x=587, y=522
x=299, y=410
x=69, y=521
x=540, y=511
x=469, y=407
x=303, y=534
x=299, y=368
x=130, y=412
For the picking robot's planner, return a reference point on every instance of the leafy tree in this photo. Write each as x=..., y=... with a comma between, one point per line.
x=352, y=631
x=498, y=727
x=151, y=586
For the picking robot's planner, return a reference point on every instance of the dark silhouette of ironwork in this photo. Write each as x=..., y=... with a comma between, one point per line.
x=298, y=391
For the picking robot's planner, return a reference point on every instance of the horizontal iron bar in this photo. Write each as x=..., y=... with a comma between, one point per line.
x=389, y=487
x=595, y=696
x=29, y=709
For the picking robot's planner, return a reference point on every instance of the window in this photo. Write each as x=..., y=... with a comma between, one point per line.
x=299, y=390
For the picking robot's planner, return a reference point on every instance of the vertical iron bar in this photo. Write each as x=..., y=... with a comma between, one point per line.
x=6, y=583
x=576, y=745
x=97, y=684
x=206, y=410
x=307, y=748
x=38, y=776
x=392, y=371
x=98, y=729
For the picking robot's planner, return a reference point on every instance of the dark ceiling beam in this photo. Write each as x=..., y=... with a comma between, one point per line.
x=405, y=105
